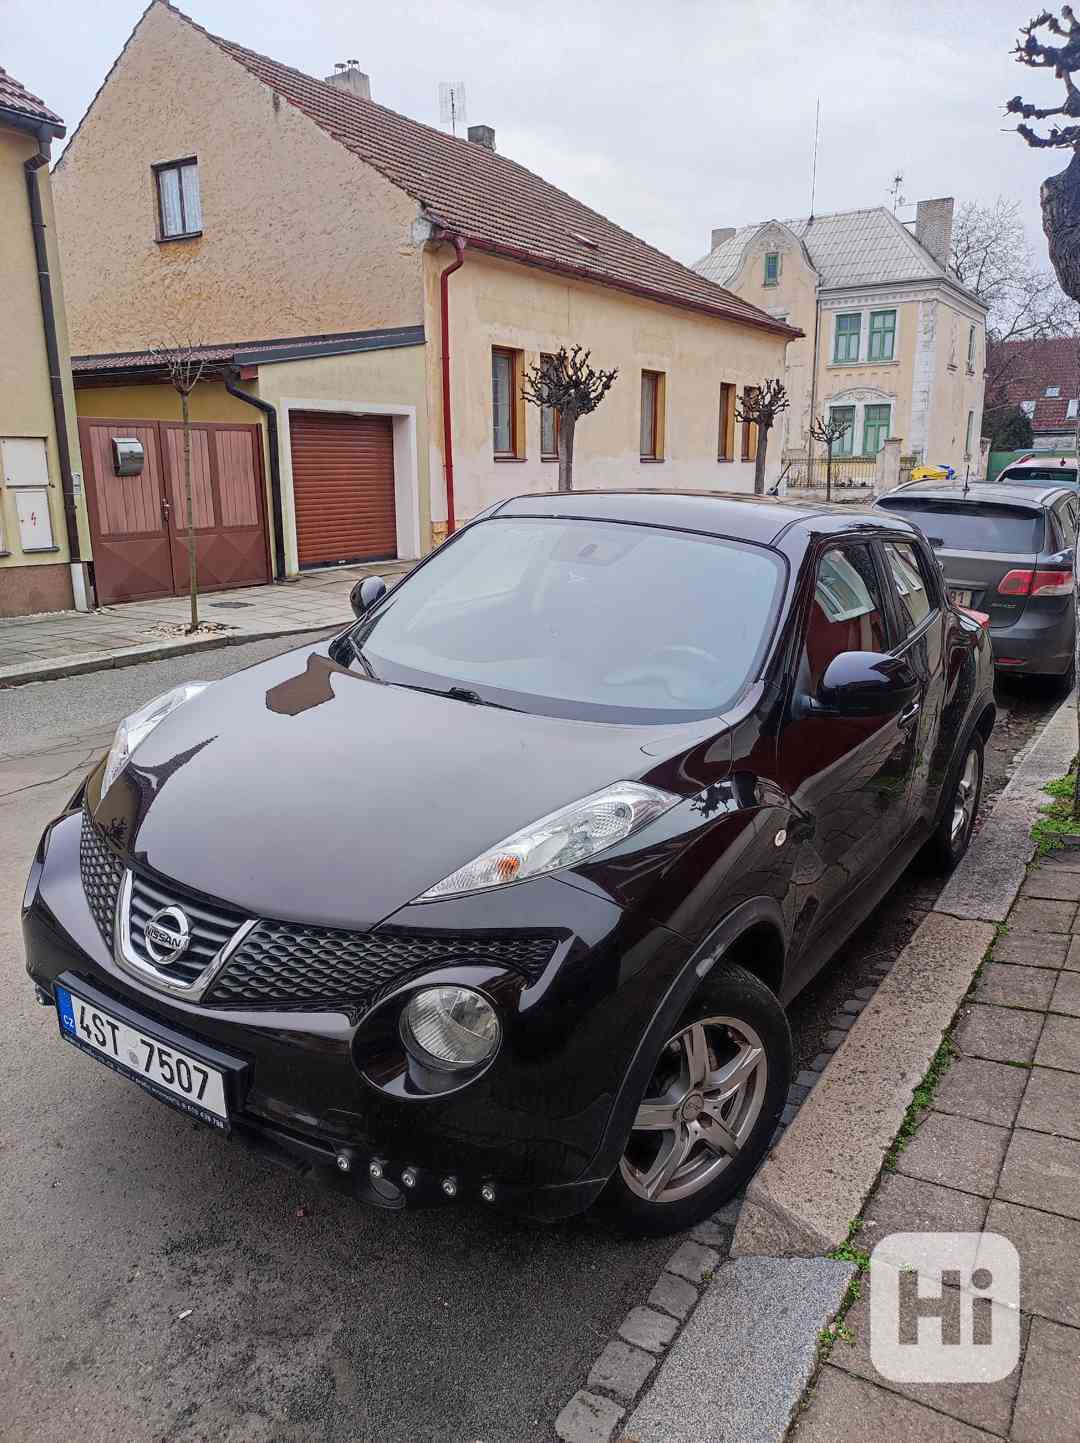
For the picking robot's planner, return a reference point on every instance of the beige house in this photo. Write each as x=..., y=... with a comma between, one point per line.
x=893, y=344
x=42, y=521
x=367, y=293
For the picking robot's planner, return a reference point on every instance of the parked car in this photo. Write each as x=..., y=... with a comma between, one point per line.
x=1006, y=550
x=1040, y=471
x=501, y=893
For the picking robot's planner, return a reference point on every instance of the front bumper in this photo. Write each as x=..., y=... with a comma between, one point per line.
x=531, y=1133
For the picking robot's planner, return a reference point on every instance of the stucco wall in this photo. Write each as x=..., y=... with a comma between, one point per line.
x=958, y=391
x=493, y=303
x=869, y=383
x=299, y=236
x=25, y=397
x=209, y=402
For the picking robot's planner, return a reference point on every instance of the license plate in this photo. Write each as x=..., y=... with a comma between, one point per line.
x=960, y=598
x=171, y=1074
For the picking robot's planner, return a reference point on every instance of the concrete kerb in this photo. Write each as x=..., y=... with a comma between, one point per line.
x=818, y=1176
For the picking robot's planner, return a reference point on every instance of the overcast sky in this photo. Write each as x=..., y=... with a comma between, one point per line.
x=669, y=118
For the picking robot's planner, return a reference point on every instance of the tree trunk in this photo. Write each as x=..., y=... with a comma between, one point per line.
x=828, y=472
x=566, y=451
x=759, y=460
x=193, y=580
x=1060, y=197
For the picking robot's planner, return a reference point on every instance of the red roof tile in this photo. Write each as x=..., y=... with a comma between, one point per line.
x=1031, y=367
x=14, y=96
x=491, y=201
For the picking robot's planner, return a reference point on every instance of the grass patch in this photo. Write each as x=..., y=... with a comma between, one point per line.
x=921, y=1099
x=838, y=1328
x=1054, y=824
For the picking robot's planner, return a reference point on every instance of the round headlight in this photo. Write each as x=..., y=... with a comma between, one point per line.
x=450, y=1027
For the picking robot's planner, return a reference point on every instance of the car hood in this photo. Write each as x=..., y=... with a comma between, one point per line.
x=300, y=790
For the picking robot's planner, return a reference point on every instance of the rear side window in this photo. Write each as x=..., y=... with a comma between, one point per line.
x=1054, y=475
x=975, y=525
x=913, y=595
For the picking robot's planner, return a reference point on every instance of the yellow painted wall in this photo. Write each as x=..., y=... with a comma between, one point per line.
x=299, y=236
x=959, y=390
x=496, y=303
x=25, y=397
x=894, y=378
x=209, y=402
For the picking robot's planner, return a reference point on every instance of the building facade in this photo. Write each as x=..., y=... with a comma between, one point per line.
x=367, y=293
x=893, y=345
x=43, y=532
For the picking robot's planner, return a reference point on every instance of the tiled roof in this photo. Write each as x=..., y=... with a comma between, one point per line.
x=850, y=248
x=14, y=96
x=490, y=200
x=1030, y=367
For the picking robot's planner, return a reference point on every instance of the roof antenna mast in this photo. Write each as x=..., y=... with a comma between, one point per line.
x=896, y=190
x=813, y=157
x=452, y=104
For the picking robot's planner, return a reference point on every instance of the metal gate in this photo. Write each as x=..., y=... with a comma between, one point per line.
x=343, y=487
x=138, y=523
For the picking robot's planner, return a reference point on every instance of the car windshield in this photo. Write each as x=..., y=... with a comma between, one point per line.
x=594, y=620
x=973, y=526
x=1044, y=475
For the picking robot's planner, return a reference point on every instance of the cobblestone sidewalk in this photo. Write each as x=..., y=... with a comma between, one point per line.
x=998, y=1150
x=41, y=648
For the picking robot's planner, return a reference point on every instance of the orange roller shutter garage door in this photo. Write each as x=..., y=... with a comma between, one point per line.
x=343, y=487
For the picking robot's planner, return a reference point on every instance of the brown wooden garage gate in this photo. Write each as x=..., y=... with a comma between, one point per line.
x=343, y=487
x=138, y=524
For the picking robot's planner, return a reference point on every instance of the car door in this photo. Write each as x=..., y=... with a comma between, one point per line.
x=919, y=637
x=847, y=777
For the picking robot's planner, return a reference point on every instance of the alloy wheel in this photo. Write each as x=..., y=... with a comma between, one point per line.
x=964, y=800
x=701, y=1106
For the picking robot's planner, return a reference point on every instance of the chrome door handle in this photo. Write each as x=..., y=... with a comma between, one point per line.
x=908, y=715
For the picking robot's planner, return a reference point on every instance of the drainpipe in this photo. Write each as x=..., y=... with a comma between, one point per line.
x=448, y=427
x=270, y=412
x=52, y=351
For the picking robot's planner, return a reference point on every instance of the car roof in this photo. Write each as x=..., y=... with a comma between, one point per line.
x=715, y=513
x=979, y=492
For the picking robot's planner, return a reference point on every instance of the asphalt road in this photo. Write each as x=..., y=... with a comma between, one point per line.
x=158, y=1285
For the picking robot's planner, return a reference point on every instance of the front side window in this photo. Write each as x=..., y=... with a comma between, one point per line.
x=596, y=620
x=549, y=426
x=179, y=205
x=652, y=415
x=846, y=613
x=913, y=595
x=844, y=445
x=882, y=335
x=503, y=403
x=848, y=331
x=875, y=428
x=772, y=268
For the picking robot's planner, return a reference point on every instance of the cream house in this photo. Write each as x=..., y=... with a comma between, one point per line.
x=367, y=293
x=893, y=345
x=42, y=521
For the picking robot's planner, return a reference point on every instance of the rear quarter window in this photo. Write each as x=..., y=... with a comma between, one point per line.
x=974, y=526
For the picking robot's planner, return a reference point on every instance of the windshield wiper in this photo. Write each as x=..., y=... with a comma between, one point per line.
x=456, y=693
x=358, y=653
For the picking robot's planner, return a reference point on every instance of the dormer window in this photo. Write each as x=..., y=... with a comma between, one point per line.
x=179, y=206
x=772, y=268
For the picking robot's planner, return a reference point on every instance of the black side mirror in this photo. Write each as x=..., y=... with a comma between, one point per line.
x=865, y=683
x=366, y=593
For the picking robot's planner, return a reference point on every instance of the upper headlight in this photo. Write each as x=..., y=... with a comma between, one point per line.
x=561, y=839
x=138, y=726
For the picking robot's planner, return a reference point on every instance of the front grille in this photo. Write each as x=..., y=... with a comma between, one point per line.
x=102, y=872
x=281, y=964
x=211, y=927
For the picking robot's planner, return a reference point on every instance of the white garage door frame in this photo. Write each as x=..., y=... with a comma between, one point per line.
x=406, y=470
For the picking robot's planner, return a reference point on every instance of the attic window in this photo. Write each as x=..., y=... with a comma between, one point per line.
x=585, y=240
x=1053, y=390
x=179, y=205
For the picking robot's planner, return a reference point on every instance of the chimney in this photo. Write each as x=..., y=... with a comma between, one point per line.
x=348, y=76
x=482, y=135
x=720, y=235
x=933, y=227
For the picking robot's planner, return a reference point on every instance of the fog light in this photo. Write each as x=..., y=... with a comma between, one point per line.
x=449, y=1186
x=450, y=1027
x=408, y=1177
x=375, y=1170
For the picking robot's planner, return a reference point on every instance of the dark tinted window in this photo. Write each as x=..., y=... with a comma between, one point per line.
x=846, y=613
x=973, y=525
x=914, y=596
x=587, y=619
x=1046, y=475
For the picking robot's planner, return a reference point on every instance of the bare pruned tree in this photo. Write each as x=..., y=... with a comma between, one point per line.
x=759, y=406
x=568, y=384
x=185, y=363
x=829, y=430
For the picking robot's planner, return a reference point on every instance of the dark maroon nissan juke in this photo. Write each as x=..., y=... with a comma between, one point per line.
x=499, y=895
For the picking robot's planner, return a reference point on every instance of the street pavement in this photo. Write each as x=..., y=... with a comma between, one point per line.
x=157, y=1283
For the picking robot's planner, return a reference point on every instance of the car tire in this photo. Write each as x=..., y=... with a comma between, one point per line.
x=953, y=832
x=709, y=1110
